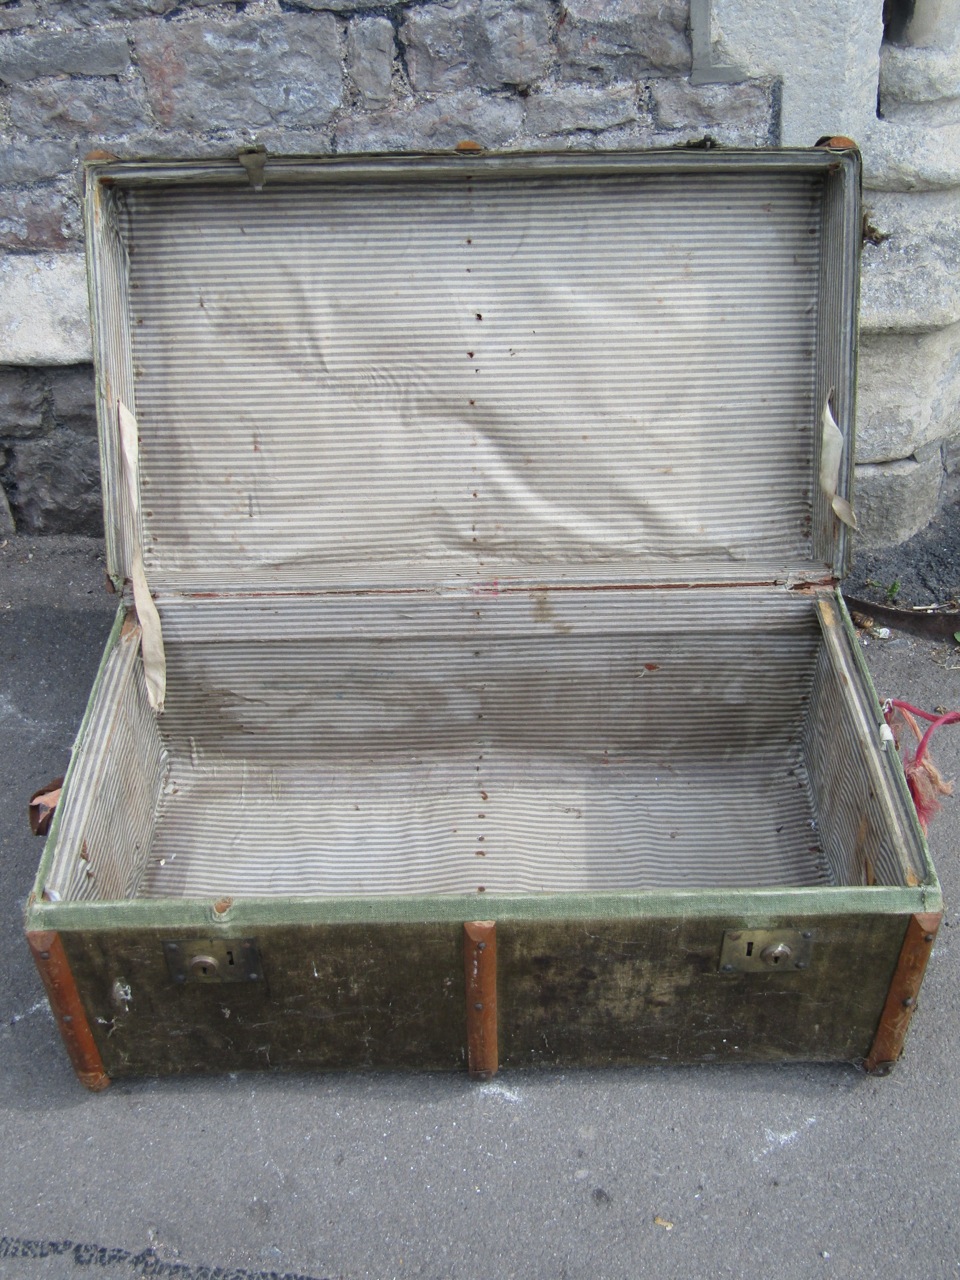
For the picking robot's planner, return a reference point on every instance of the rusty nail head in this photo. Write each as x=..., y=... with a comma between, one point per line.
x=910, y=1002
x=481, y=946
x=44, y=955
x=929, y=937
x=67, y=1017
x=478, y=1005
x=806, y=934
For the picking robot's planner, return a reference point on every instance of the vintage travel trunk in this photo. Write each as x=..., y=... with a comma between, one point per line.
x=480, y=693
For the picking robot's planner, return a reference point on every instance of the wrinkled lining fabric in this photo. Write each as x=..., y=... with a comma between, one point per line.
x=360, y=383
x=605, y=756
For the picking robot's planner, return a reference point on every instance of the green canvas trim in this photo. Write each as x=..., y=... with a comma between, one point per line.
x=50, y=847
x=897, y=776
x=755, y=905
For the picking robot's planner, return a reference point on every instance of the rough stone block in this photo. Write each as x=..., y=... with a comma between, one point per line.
x=22, y=396
x=734, y=114
x=23, y=162
x=436, y=125
x=907, y=155
x=909, y=394
x=437, y=47
x=53, y=484
x=632, y=137
x=930, y=24
x=893, y=500
x=826, y=56
x=242, y=73
x=44, y=309
x=342, y=6
x=487, y=45
x=74, y=398
x=97, y=108
x=16, y=16
x=95, y=11
x=293, y=142
x=518, y=41
x=370, y=57
x=40, y=218
x=53, y=53
x=910, y=282
x=181, y=144
x=567, y=110
x=603, y=40
x=911, y=77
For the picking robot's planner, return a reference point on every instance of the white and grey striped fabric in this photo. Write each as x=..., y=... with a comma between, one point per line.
x=628, y=740
x=376, y=383
x=457, y=492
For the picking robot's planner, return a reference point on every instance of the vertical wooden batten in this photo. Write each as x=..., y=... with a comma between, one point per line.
x=902, y=996
x=68, y=1009
x=480, y=967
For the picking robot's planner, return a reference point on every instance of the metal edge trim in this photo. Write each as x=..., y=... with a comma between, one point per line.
x=68, y=1009
x=840, y=260
x=913, y=857
x=901, y=999
x=850, y=337
x=896, y=773
x=437, y=164
x=49, y=851
x=93, y=198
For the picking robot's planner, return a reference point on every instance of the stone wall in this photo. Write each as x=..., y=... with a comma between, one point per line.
x=190, y=78
x=897, y=92
x=909, y=421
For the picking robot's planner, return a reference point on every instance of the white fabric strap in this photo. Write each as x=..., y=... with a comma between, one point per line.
x=831, y=451
x=151, y=637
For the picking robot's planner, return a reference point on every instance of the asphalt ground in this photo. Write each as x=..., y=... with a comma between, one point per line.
x=762, y=1172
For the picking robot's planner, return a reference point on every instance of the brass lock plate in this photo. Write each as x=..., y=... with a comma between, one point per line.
x=766, y=950
x=214, y=960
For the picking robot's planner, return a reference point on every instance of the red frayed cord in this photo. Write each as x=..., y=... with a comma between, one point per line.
x=948, y=717
x=951, y=717
x=916, y=711
x=923, y=777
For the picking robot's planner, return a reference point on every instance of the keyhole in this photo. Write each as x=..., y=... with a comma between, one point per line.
x=204, y=967
x=749, y=948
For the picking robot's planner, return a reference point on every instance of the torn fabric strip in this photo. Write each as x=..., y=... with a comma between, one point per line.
x=151, y=637
x=831, y=451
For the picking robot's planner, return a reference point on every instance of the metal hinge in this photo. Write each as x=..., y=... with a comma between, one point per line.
x=764, y=950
